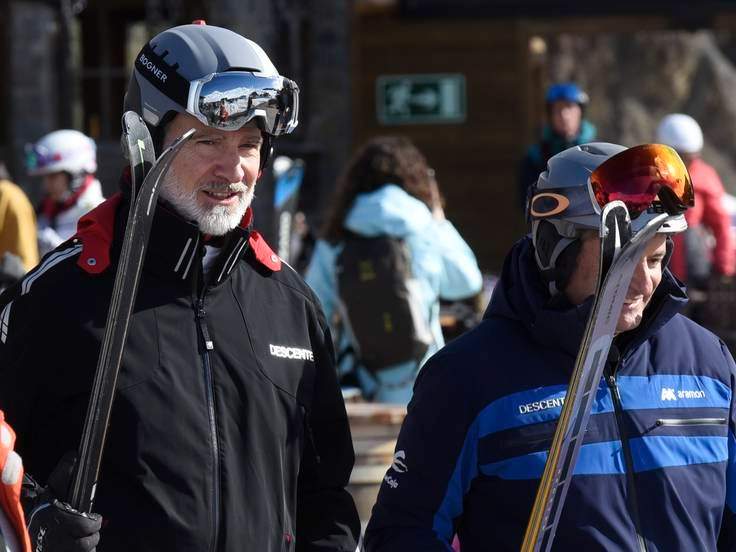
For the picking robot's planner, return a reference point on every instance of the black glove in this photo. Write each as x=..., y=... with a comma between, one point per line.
x=55, y=526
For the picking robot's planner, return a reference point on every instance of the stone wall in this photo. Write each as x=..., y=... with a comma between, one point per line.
x=635, y=79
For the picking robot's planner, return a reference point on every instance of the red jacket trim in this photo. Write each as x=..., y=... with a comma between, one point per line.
x=96, y=229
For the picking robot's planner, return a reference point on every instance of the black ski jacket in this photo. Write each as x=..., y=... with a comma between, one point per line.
x=228, y=429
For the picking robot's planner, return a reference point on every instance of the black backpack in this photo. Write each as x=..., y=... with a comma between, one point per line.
x=374, y=280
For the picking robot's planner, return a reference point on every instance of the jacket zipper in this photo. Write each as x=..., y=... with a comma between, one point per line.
x=690, y=421
x=628, y=458
x=214, y=445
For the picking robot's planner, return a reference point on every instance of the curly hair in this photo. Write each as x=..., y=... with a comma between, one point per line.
x=380, y=161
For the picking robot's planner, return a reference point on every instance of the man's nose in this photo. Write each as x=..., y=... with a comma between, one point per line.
x=640, y=280
x=229, y=165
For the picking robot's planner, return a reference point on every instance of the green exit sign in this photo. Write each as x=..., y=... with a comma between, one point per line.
x=431, y=98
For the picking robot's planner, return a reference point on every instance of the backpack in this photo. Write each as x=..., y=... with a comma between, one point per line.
x=378, y=296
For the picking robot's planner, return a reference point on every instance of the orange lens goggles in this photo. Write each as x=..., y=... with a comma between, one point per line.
x=642, y=177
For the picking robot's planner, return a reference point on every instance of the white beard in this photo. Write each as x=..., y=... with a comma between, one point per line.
x=215, y=221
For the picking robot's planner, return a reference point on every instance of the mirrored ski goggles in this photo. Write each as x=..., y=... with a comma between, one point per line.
x=230, y=100
x=650, y=175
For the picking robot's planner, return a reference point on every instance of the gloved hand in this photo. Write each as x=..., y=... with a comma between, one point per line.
x=55, y=526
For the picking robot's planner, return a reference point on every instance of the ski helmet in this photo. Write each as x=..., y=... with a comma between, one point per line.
x=66, y=150
x=566, y=92
x=563, y=205
x=680, y=131
x=218, y=76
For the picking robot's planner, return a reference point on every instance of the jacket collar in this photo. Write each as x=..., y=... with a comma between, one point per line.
x=521, y=295
x=175, y=245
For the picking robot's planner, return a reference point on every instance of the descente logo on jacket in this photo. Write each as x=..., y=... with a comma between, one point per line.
x=293, y=353
x=536, y=406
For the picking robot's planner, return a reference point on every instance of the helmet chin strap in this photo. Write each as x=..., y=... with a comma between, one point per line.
x=266, y=149
x=670, y=247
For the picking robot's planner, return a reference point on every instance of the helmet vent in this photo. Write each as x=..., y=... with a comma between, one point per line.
x=248, y=69
x=590, y=148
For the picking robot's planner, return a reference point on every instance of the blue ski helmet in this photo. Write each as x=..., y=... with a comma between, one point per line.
x=566, y=92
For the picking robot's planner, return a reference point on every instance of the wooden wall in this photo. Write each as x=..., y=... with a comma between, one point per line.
x=475, y=161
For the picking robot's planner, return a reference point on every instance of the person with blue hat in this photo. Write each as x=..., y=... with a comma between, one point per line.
x=565, y=128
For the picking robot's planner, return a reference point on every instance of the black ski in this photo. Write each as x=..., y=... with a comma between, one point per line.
x=619, y=256
x=145, y=189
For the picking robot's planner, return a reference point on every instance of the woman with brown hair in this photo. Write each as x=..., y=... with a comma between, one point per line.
x=389, y=194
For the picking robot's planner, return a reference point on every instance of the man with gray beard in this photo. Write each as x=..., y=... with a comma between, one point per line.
x=228, y=430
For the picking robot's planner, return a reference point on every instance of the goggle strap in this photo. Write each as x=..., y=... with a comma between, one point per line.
x=669, y=201
x=162, y=75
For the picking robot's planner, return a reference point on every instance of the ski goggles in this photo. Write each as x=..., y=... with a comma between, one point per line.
x=230, y=100
x=37, y=158
x=643, y=177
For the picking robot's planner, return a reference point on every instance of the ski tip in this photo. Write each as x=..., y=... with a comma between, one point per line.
x=131, y=119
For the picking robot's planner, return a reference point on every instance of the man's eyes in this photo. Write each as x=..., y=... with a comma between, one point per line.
x=212, y=142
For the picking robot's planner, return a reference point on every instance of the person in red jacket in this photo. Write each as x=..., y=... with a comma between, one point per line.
x=13, y=534
x=693, y=260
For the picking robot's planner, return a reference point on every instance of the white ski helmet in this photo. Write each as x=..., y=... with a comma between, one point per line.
x=66, y=150
x=563, y=205
x=681, y=132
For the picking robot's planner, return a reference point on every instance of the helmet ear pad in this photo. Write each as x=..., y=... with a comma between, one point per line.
x=158, y=132
x=555, y=254
x=266, y=149
x=670, y=247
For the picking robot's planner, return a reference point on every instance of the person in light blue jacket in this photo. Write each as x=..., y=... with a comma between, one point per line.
x=388, y=189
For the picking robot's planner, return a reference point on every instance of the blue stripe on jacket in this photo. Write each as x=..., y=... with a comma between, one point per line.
x=606, y=458
x=637, y=393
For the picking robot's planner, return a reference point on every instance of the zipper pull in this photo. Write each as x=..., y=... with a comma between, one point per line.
x=613, y=386
x=200, y=313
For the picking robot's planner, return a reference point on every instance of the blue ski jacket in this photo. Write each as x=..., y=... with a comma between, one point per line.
x=657, y=467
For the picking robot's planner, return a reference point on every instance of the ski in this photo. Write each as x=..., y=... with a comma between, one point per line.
x=285, y=202
x=145, y=179
x=620, y=254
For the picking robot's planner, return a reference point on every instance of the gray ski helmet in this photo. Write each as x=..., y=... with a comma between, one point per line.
x=172, y=72
x=562, y=206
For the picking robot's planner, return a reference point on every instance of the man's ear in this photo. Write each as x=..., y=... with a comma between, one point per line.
x=260, y=172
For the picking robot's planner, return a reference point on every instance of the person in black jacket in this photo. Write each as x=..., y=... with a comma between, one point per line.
x=228, y=429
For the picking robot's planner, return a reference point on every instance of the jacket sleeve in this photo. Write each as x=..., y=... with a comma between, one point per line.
x=727, y=536
x=19, y=328
x=326, y=514
x=716, y=218
x=435, y=462
x=461, y=277
x=320, y=277
x=18, y=225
